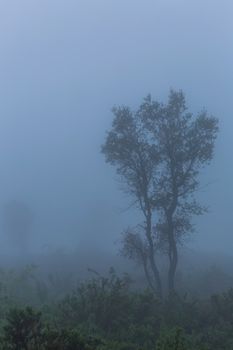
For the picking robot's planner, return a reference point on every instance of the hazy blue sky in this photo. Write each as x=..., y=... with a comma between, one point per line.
x=64, y=64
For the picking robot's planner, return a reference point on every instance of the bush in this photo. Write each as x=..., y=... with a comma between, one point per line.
x=104, y=314
x=172, y=340
x=23, y=329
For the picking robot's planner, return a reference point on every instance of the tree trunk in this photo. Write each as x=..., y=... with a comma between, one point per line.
x=172, y=270
x=173, y=255
x=156, y=275
x=148, y=277
x=153, y=265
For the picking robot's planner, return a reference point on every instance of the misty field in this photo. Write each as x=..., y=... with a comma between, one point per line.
x=116, y=188
x=107, y=312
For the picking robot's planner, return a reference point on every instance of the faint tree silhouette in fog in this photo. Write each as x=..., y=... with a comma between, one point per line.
x=159, y=151
x=17, y=224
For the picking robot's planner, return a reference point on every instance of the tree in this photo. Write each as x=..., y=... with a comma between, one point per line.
x=127, y=148
x=185, y=143
x=159, y=151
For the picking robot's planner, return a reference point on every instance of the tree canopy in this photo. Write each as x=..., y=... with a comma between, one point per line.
x=159, y=151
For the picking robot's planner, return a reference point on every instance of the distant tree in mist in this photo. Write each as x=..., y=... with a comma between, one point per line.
x=159, y=151
x=17, y=224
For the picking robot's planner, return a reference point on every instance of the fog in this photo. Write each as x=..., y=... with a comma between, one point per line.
x=63, y=66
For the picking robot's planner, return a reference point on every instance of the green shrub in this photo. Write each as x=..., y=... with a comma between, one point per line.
x=23, y=329
x=172, y=340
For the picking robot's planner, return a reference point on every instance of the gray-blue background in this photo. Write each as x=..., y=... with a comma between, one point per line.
x=63, y=65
